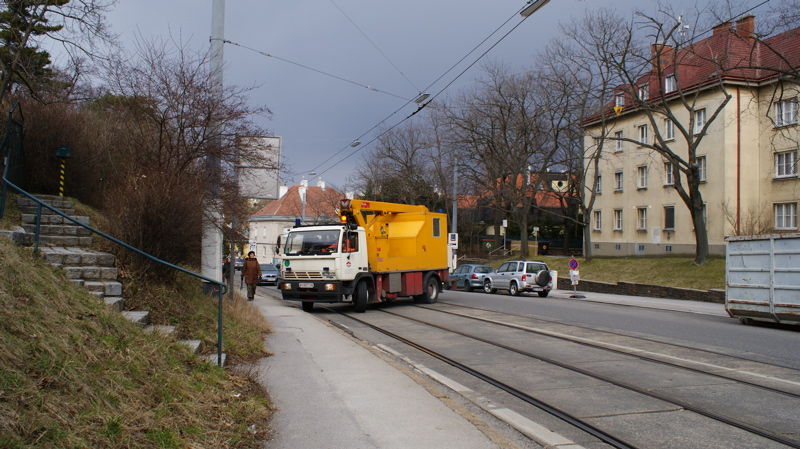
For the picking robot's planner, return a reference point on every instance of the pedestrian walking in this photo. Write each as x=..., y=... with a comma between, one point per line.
x=251, y=274
x=226, y=270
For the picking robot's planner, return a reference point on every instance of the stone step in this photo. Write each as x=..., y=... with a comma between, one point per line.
x=51, y=229
x=106, y=288
x=193, y=345
x=54, y=219
x=20, y=237
x=91, y=273
x=63, y=240
x=55, y=201
x=60, y=256
x=45, y=211
x=114, y=302
x=139, y=317
x=160, y=329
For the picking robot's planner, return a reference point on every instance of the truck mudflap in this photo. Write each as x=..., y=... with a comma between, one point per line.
x=315, y=291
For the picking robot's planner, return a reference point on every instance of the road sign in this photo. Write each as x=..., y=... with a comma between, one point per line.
x=573, y=264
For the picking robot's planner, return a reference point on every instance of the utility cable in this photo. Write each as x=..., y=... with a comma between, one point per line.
x=226, y=41
x=429, y=100
x=374, y=45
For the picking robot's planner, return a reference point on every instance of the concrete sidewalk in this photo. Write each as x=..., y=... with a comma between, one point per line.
x=332, y=392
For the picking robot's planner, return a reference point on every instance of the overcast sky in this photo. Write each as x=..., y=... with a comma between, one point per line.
x=317, y=115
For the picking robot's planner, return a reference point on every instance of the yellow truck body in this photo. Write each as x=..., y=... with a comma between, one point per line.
x=401, y=237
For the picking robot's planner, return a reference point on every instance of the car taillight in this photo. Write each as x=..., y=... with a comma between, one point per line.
x=524, y=276
x=474, y=276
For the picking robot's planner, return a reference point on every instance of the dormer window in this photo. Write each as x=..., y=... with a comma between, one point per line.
x=669, y=84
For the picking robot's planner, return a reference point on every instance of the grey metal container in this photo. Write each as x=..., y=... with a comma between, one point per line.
x=762, y=278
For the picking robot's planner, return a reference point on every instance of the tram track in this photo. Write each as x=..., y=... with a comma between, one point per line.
x=556, y=411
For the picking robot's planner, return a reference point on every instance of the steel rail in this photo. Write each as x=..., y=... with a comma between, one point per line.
x=692, y=408
x=620, y=351
x=577, y=422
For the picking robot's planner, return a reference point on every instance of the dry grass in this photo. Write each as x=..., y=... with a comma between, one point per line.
x=672, y=271
x=76, y=375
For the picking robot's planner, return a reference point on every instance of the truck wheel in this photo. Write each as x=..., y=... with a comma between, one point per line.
x=513, y=290
x=543, y=293
x=487, y=287
x=542, y=278
x=431, y=293
x=360, y=298
x=307, y=306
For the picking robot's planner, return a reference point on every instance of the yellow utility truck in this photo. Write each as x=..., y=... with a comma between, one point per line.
x=377, y=252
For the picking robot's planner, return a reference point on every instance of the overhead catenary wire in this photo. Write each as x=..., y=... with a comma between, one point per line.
x=226, y=41
x=374, y=45
x=422, y=106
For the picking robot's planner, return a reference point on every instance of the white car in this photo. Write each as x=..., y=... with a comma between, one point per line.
x=518, y=276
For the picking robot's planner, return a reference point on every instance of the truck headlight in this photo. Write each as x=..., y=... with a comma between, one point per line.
x=286, y=286
x=330, y=287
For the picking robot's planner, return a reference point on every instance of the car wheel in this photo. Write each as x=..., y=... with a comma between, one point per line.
x=468, y=286
x=513, y=290
x=360, y=298
x=542, y=278
x=487, y=287
x=543, y=293
x=431, y=293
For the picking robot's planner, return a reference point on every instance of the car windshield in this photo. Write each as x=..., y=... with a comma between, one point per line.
x=268, y=267
x=312, y=243
x=536, y=267
x=483, y=269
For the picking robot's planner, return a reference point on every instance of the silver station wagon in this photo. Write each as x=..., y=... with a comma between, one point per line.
x=517, y=276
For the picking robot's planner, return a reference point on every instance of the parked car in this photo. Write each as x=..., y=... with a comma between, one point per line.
x=470, y=276
x=517, y=276
x=238, y=263
x=269, y=274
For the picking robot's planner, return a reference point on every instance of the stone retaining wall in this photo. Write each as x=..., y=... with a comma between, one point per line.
x=653, y=291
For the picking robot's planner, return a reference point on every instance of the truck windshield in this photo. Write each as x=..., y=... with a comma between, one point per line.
x=312, y=243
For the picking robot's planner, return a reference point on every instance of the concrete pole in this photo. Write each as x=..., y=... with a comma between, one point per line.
x=211, y=246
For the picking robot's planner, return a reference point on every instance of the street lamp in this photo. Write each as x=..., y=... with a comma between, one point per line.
x=533, y=6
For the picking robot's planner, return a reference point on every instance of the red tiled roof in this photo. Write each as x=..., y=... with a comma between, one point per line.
x=734, y=51
x=318, y=202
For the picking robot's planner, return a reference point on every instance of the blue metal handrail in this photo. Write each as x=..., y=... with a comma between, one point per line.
x=220, y=291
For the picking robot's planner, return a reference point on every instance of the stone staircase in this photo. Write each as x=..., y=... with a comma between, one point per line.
x=66, y=245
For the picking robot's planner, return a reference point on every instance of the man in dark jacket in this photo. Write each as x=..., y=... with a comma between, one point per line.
x=251, y=274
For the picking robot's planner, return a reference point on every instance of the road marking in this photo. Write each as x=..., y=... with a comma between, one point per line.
x=534, y=431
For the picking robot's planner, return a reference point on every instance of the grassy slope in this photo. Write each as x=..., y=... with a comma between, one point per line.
x=673, y=271
x=74, y=374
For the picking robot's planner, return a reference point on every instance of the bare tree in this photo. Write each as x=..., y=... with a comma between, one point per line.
x=78, y=25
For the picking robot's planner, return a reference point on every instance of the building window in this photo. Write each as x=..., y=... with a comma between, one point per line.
x=597, y=220
x=786, y=216
x=669, y=83
x=618, y=181
x=668, y=248
x=644, y=92
x=596, y=246
x=617, y=247
x=598, y=189
x=669, y=218
x=669, y=129
x=786, y=112
x=641, y=248
x=786, y=164
x=619, y=99
x=699, y=120
x=618, y=137
x=669, y=175
x=641, y=218
x=641, y=177
x=643, y=134
x=617, y=219
x=701, y=168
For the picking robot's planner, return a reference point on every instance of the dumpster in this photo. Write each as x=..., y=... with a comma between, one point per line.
x=762, y=278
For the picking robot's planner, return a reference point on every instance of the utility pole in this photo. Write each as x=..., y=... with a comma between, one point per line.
x=211, y=246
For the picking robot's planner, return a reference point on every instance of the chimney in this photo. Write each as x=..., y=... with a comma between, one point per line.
x=722, y=27
x=661, y=55
x=746, y=26
x=321, y=184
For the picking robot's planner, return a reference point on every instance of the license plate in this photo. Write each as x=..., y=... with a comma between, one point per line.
x=306, y=285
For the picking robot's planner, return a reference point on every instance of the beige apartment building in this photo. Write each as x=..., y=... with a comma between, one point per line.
x=747, y=158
